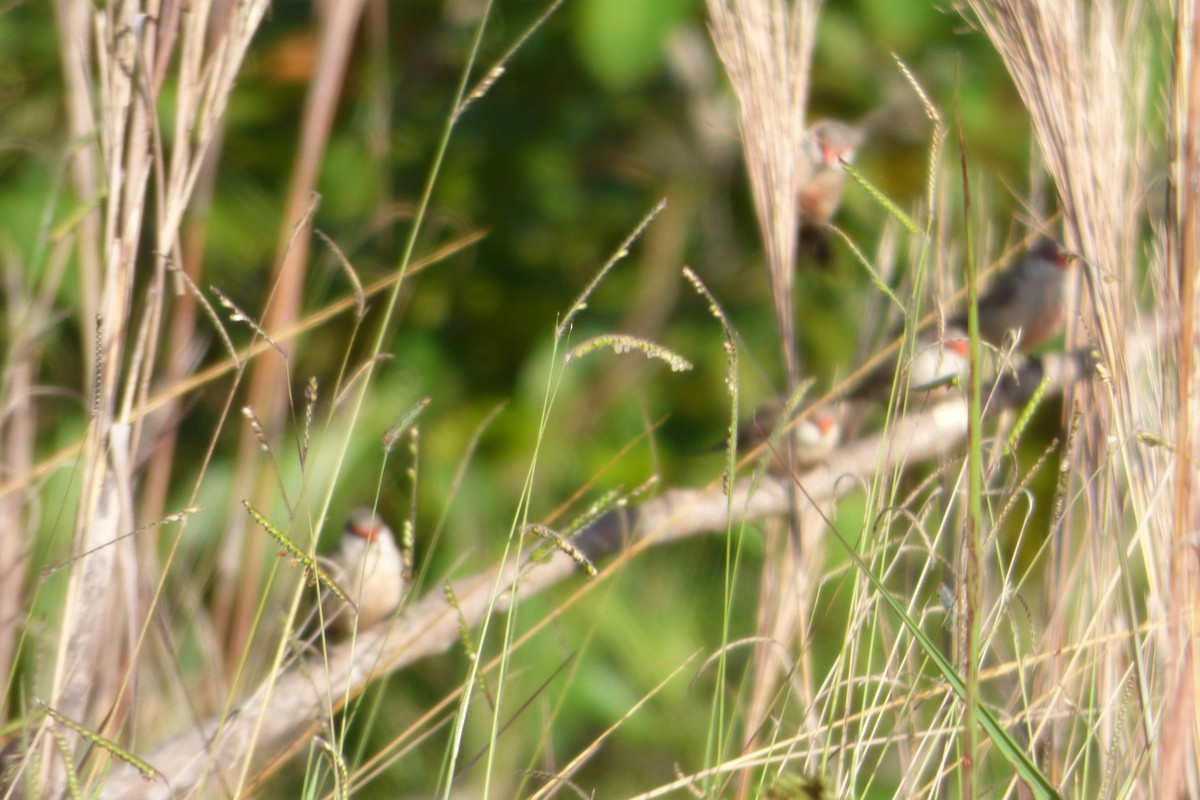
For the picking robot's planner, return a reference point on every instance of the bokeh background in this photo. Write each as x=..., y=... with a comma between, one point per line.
x=611, y=106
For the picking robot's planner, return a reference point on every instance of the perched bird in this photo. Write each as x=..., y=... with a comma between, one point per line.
x=816, y=435
x=369, y=567
x=1028, y=297
x=933, y=366
x=827, y=143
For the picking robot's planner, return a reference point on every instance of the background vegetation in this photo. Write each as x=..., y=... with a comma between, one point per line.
x=610, y=106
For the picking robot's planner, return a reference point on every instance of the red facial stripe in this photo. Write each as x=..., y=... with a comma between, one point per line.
x=368, y=532
x=1052, y=252
x=830, y=153
x=960, y=346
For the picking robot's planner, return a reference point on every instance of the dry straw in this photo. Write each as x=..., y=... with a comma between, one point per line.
x=1083, y=71
x=766, y=47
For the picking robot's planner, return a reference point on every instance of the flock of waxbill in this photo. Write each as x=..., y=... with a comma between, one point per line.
x=1024, y=306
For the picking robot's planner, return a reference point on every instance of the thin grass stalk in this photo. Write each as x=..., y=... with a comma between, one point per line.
x=766, y=47
x=1082, y=71
x=73, y=19
x=232, y=365
x=242, y=556
x=733, y=536
x=296, y=695
x=1179, y=737
x=173, y=196
x=16, y=456
x=972, y=585
x=203, y=91
x=88, y=649
x=125, y=47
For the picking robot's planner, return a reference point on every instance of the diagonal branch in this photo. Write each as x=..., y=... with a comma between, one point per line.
x=298, y=699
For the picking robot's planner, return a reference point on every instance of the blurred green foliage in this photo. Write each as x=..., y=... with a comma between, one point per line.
x=594, y=120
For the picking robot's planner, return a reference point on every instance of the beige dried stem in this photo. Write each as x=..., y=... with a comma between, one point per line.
x=1083, y=77
x=288, y=705
x=1083, y=71
x=242, y=554
x=124, y=160
x=1082, y=74
x=1180, y=736
x=766, y=47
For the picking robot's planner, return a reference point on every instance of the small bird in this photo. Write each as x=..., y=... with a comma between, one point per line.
x=827, y=144
x=933, y=366
x=1028, y=297
x=370, y=568
x=816, y=435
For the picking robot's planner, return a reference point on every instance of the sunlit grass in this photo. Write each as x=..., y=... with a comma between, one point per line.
x=582, y=623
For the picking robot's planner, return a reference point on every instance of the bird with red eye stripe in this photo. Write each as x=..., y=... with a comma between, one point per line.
x=817, y=433
x=828, y=144
x=368, y=565
x=1027, y=300
x=933, y=369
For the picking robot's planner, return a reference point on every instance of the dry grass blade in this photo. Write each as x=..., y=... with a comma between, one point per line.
x=585, y=753
x=1084, y=71
x=359, y=372
x=766, y=47
x=167, y=520
x=290, y=701
x=360, y=299
x=1066, y=56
